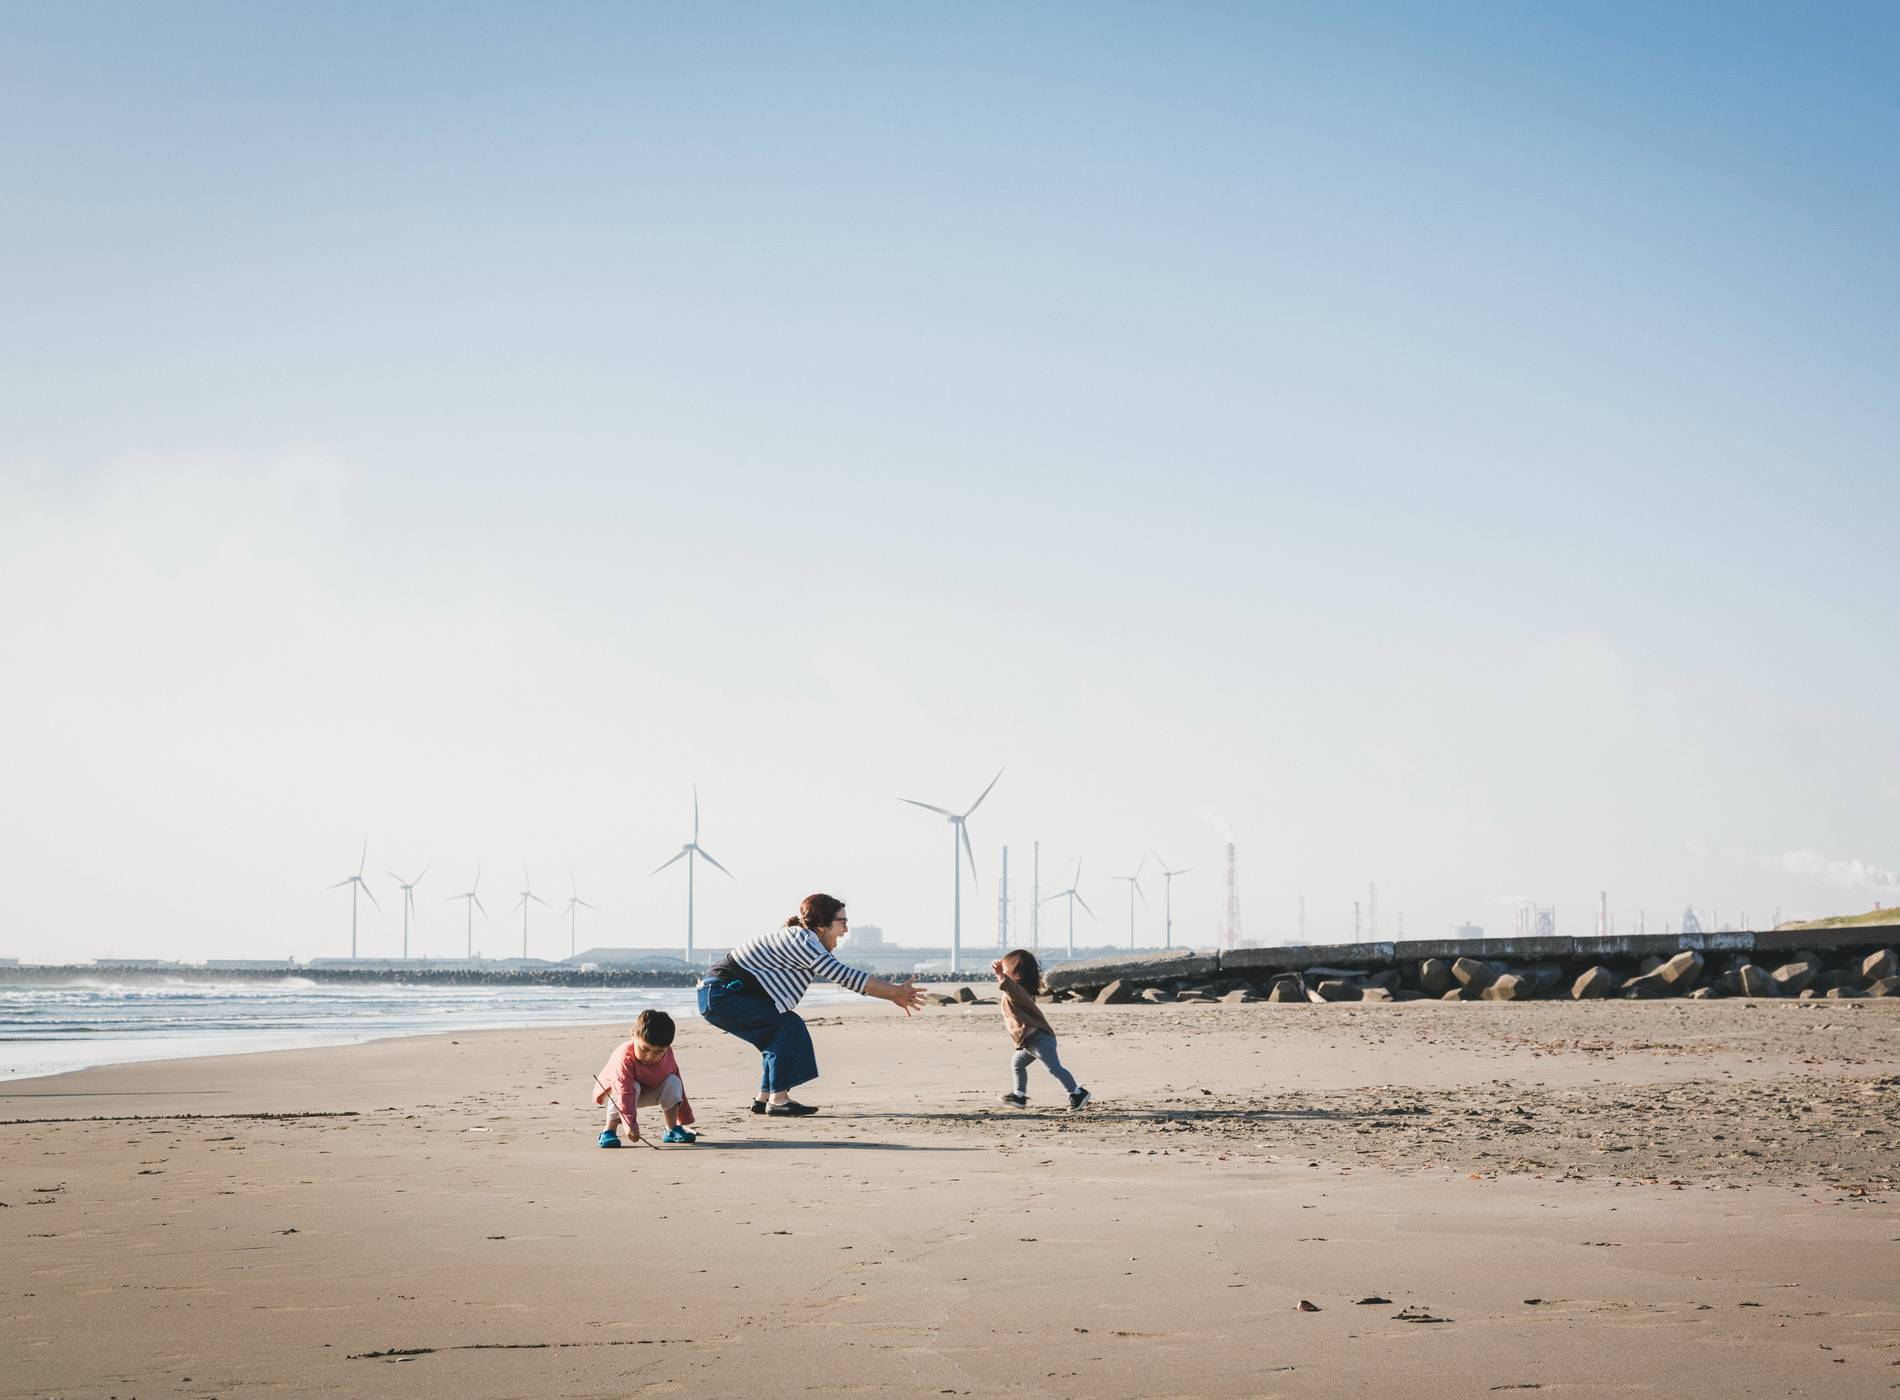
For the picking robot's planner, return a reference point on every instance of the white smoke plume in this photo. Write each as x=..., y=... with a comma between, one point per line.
x=1847, y=874
x=1218, y=822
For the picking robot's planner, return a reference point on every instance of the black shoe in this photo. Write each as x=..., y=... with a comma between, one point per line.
x=758, y=1105
x=1079, y=1099
x=788, y=1109
x=1016, y=1100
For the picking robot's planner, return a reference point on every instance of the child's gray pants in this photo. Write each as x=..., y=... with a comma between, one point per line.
x=1040, y=1046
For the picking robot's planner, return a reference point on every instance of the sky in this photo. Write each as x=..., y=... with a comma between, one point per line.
x=1445, y=447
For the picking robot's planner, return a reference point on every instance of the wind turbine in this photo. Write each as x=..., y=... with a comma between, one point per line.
x=1134, y=888
x=356, y=881
x=1167, y=885
x=574, y=904
x=474, y=903
x=408, y=903
x=1074, y=899
x=527, y=893
x=958, y=832
x=687, y=852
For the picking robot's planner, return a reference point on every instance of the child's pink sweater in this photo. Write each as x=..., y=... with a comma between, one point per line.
x=625, y=1073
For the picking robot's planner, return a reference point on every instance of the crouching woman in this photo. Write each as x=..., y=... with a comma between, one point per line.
x=754, y=991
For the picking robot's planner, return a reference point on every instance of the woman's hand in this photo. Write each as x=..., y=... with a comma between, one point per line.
x=996, y=968
x=906, y=994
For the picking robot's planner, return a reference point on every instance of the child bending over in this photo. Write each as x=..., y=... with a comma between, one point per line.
x=640, y=1074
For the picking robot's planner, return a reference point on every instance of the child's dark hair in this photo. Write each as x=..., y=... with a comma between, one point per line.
x=655, y=1028
x=1022, y=966
x=816, y=912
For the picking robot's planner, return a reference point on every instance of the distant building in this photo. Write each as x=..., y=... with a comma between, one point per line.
x=1466, y=931
x=866, y=936
x=137, y=962
x=250, y=964
x=9, y=962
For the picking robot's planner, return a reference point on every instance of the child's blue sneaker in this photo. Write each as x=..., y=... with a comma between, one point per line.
x=609, y=1138
x=677, y=1135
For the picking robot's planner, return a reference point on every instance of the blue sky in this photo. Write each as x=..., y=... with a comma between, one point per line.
x=1451, y=446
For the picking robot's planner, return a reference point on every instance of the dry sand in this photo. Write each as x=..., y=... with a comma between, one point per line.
x=1655, y=1199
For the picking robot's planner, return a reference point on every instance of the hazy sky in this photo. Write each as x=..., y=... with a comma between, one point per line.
x=1449, y=446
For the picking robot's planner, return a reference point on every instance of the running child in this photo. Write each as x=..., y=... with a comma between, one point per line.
x=640, y=1074
x=1019, y=976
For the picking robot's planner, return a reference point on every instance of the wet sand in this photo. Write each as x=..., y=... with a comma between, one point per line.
x=1656, y=1199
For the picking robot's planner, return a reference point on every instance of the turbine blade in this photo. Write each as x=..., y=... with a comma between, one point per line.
x=964, y=832
x=478, y=876
x=418, y=879
x=341, y=883
x=1158, y=860
x=481, y=906
x=681, y=856
x=927, y=807
x=695, y=814
x=986, y=792
x=585, y=905
x=537, y=899
x=715, y=864
x=1085, y=904
x=363, y=859
x=366, y=890
x=394, y=876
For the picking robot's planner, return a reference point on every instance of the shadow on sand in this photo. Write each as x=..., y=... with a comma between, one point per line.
x=820, y=1145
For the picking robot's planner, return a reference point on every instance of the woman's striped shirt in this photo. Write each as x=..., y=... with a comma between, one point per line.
x=788, y=960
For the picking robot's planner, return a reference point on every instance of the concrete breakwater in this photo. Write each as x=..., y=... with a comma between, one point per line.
x=1804, y=963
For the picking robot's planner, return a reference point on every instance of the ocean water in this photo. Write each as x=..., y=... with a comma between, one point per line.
x=49, y=1030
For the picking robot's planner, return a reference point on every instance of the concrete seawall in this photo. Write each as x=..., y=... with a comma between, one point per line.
x=1404, y=957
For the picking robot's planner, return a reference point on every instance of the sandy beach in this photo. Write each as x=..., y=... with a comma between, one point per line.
x=1627, y=1198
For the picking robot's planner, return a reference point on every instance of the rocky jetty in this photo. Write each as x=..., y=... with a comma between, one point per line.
x=1805, y=964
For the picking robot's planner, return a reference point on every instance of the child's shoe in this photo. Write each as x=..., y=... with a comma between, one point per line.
x=678, y=1134
x=1079, y=1099
x=1016, y=1100
x=609, y=1138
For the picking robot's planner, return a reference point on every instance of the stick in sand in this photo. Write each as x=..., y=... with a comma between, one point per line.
x=639, y=1137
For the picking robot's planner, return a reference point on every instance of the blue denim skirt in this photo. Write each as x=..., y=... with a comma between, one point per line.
x=783, y=1043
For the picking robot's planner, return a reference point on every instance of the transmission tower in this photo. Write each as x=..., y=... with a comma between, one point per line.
x=1230, y=935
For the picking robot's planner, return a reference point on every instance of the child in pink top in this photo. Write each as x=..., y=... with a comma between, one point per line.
x=640, y=1074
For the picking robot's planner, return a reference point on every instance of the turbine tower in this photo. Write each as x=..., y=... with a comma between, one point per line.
x=572, y=909
x=408, y=903
x=527, y=893
x=1074, y=899
x=959, y=832
x=474, y=902
x=1134, y=888
x=356, y=883
x=1167, y=886
x=687, y=852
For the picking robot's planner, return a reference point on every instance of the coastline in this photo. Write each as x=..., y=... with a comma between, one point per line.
x=1695, y=1195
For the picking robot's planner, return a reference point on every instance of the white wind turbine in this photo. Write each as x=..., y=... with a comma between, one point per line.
x=1134, y=888
x=1074, y=899
x=959, y=832
x=572, y=909
x=527, y=893
x=474, y=902
x=408, y=903
x=1167, y=885
x=356, y=883
x=686, y=853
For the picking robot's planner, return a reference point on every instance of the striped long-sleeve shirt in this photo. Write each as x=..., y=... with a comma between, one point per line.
x=788, y=960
